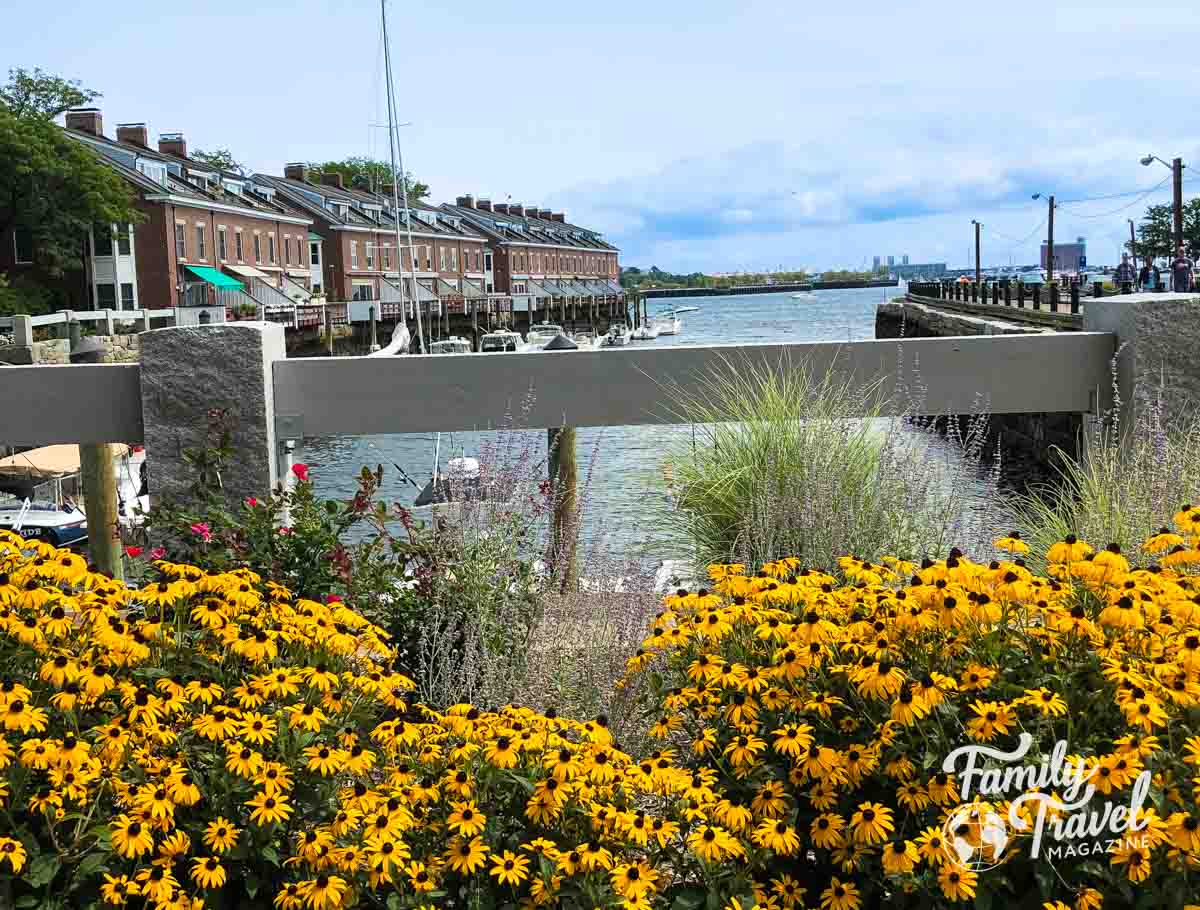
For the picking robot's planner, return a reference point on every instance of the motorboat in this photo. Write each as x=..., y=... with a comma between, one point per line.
x=617, y=336
x=542, y=332
x=806, y=295
x=460, y=482
x=502, y=341
x=401, y=339
x=668, y=323
x=452, y=345
x=687, y=309
x=646, y=332
x=587, y=341
x=41, y=493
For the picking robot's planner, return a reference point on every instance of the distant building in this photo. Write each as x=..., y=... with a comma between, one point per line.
x=919, y=270
x=891, y=261
x=875, y=264
x=1068, y=257
x=904, y=259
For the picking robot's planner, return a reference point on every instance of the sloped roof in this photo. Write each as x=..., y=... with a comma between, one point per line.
x=524, y=229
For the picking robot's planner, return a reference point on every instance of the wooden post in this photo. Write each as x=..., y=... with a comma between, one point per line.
x=1037, y=296
x=374, y=327
x=329, y=327
x=1054, y=298
x=474, y=326
x=1020, y=295
x=563, y=473
x=1075, y=298
x=99, y=479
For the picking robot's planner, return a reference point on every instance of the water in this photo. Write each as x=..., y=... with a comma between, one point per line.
x=620, y=467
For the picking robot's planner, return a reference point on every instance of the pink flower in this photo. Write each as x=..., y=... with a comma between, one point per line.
x=285, y=530
x=333, y=598
x=202, y=530
x=133, y=552
x=158, y=552
x=300, y=469
x=251, y=501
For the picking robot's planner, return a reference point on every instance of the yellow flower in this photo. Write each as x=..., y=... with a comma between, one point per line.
x=220, y=836
x=117, y=889
x=325, y=892
x=130, y=838
x=840, y=896
x=957, y=882
x=899, y=857
x=207, y=872
x=777, y=835
x=13, y=853
x=466, y=856
x=466, y=819
x=269, y=810
x=871, y=824
x=509, y=868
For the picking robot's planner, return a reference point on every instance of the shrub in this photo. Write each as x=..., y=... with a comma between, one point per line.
x=777, y=469
x=213, y=737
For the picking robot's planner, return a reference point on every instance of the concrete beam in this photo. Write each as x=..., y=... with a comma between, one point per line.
x=47, y=405
x=1042, y=373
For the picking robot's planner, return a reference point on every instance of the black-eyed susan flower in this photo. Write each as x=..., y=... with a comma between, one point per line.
x=957, y=882
x=840, y=896
x=207, y=872
x=221, y=835
x=871, y=824
x=325, y=892
x=466, y=856
x=12, y=852
x=131, y=837
x=269, y=810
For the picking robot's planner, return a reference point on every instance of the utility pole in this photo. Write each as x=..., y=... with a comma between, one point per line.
x=1050, y=244
x=978, y=270
x=1177, y=180
x=1133, y=245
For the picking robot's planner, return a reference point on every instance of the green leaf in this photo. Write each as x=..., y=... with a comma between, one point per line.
x=395, y=901
x=252, y=883
x=270, y=854
x=691, y=899
x=42, y=870
x=983, y=900
x=89, y=866
x=29, y=900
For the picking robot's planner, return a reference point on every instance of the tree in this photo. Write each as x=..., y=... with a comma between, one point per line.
x=42, y=95
x=368, y=174
x=52, y=186
x=221, y=159
x=1157, y=230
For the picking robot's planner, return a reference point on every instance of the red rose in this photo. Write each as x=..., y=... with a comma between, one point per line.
x=333, y=598
x=301, y=471
x=133, y=552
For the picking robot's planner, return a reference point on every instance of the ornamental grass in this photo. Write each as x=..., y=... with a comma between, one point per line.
x=212, y=740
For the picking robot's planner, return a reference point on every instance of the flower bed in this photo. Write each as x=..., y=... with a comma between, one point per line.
x=213, y=740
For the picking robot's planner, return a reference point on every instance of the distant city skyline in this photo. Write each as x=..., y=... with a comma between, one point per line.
x=687, y=155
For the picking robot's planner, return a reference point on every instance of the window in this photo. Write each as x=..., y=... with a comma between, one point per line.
x=363, y=290
x=123, y=239
x=257, y=247
x=454, y=259
x=441, y=258
x=370, y=248
x=103, y=239
x=314, y=253
x=126, y=295
x=237, y=244
x=487, y=262
x=287, y=249
x=200, y=242
x=271, y=248
x=180, y=242
x=222, y=244
x=353, y=254
x=387, y=257
x=22, y=245
x=106, y=296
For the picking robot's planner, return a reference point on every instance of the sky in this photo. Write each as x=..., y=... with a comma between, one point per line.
x=695, y=135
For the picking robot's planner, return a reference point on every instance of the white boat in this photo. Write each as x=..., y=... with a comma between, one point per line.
x=401, y=339
x=586, y=341
x=618, y=336
x=452, y=345
x=502, y=341
x=38, y=491
x=668, y=323
x=644, y=333
x=806, y=295
x=687, y=309
x=541, y=333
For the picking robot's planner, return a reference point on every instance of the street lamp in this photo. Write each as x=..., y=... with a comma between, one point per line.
x=1176, y=168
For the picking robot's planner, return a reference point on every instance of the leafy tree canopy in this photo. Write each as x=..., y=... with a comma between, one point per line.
x=1157, y=229
x=52, y=186
x=654, y=277
x=367, y=174
x=221, y=159
x=40, y=94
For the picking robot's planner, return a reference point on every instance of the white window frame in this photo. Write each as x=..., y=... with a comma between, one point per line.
x=354, y=254
x=271, y=249
x=201, y=250
x=222, y=243
x=239, y=248
x=181, y=240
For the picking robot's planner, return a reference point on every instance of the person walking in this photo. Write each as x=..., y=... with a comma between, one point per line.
x=1149, y=276
x=1182, y=268
x=1125, y=273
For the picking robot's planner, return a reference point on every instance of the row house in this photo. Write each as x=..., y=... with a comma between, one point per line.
x=538, y=256
x=369, y=252
x=206, y=236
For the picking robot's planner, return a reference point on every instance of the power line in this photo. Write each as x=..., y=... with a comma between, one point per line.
x=1143, y=195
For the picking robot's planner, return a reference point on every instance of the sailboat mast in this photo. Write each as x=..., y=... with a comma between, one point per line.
x=399, y=188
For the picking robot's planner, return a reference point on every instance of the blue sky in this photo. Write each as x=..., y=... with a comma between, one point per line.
x=697, y=135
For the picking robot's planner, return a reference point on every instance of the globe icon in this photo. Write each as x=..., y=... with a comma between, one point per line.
x=975, y=837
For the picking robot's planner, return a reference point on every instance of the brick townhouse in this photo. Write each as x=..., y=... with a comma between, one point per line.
x=205, y=235
x=360, y=259
x=538, y=256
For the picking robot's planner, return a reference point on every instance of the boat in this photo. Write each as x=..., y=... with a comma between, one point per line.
x=501, y=341
x=452, y=345
x=460, y=482
x=687, y=309
x=401, y=339
x=586, y=341
x=668, y=323
x=40, y=491
x=617, y=336
x=644, y=333
x=542, y=332
x=806, y=295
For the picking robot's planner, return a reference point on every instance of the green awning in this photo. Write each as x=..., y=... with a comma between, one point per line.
x=216, y=278
x=312, y=236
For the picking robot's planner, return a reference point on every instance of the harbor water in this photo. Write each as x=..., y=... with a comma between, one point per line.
x=620, y=468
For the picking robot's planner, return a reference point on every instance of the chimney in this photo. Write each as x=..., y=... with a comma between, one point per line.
x=134, y=134
x=172, y=144
x=297, y=170
x=484, y=205
x=502, y=208
x=388, y=191
x=334, y=179
x=559, y=217
x=86, y=120
x=516, y=209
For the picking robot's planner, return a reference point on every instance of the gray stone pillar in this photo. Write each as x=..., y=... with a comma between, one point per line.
x=1158, y=336
x=186, y=373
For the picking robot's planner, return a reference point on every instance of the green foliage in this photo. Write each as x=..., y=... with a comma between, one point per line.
x=40, y=94
x=634, y=278
x=370, y=174
x=25, y=296
x=1156, y=231
x=222, y=159
x=51, y=185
